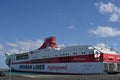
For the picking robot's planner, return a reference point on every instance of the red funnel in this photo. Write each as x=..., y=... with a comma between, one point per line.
x=49, y=42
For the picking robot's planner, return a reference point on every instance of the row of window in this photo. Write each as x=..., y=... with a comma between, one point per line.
x=75, y=53
x=66, y=54
x=76, y=49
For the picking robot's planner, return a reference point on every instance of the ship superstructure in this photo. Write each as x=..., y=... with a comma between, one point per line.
x=50, y=58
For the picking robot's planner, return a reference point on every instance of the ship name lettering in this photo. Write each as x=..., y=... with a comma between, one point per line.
x=25, y=66
x=57, y=67
x=41, y=67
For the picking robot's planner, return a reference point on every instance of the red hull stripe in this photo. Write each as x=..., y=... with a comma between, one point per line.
x=78, y=58
x=111, y=58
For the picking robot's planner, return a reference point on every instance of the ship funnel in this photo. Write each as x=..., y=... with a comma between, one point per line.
x=49, y=42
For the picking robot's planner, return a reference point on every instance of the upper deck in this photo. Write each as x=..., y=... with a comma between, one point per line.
x=50, y=50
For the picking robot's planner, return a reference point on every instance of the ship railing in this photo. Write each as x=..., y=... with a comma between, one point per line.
x=111, y=49
x=96, y=49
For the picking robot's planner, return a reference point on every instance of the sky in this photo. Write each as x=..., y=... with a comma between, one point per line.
x=24, y=24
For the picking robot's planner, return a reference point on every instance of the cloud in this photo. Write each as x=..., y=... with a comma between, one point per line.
x=103, y=45
x=114, y=17
x=1, y=47
x=91, y=24
x=23, y=45
x=106, y=7
x=11, y=44
x=111, y=9
x=72, y=27
x=20, y=46
x=105, y=31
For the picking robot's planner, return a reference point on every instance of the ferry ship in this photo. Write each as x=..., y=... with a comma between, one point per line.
x=49, y=58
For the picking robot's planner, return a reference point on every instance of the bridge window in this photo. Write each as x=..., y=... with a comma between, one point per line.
x=21, y=57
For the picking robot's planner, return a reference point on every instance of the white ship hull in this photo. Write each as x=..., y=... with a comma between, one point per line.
x=65, y=68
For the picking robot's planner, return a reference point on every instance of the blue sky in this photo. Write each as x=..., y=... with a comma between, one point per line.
x=71, y=21
x=25, y=23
